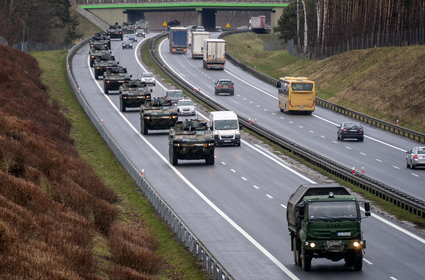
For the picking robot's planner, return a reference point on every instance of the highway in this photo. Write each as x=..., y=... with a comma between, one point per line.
x=381, y=155
x=237, y=207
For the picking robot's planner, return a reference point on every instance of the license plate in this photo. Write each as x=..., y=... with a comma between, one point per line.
x=227, y=141
x=332, y=243
x=343, y=233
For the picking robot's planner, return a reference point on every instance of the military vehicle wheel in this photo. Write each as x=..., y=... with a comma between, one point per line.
x=358, y=263
x=96, y=76
x=173, y=158
x=297, y=258
x=122, y=106
x=306, y=262
x=143, y=128
x=349, y=260
x=105, y=90
x=209, y=160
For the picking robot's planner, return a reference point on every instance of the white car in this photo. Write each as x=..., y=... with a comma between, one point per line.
x=148, y=78
x=186, y=107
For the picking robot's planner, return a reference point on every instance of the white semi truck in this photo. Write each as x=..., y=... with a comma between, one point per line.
x=197, y=45
x=214, y=54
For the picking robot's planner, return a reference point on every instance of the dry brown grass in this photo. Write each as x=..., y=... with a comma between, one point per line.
x=51, y=202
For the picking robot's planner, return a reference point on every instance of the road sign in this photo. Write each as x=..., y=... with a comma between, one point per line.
x=164, y=23
x=227, y=25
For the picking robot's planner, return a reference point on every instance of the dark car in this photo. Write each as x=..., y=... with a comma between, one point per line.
x=224, y=86
x=415, y=157
x=352, y=130
x=127, y=44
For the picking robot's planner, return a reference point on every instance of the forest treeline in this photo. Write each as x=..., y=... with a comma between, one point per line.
x=321, y=28
x=37, y=21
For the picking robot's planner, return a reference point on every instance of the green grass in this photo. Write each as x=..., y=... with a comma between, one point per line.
x=91, y=147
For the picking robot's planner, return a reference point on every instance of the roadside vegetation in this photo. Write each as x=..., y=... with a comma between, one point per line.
x=385, y=83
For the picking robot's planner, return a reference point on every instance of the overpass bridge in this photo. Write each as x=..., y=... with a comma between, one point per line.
x=208, y=14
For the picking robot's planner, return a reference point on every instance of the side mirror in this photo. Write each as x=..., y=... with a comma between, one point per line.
x=367, y=209
x=279, y=85
x=151, y=90
x=240, y=127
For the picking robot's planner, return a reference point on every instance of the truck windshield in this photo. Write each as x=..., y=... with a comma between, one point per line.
x=332, y=210
x=226, y=124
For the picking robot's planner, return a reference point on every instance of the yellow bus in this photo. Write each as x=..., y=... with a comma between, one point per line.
x=296, y=94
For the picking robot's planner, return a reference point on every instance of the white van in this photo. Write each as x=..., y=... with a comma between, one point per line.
x=225, y=126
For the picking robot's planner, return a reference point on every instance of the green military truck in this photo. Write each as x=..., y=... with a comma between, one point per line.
x=102, y=63
x=97, y=52
x=102, y=36
x=114, y=77
x=191, y=139
x=324, y=221
x=156, y=114
x=134, y=94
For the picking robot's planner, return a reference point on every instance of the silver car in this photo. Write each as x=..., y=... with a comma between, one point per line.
x=415, y=157
x=186, y=107
x=148, y=78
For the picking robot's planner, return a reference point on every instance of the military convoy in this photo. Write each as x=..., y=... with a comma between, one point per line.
x=324, y=221
x=114, y=77
x=191, y=139
x=128, y=28
x=133, y=94
x=157, y=114
x=98, y=52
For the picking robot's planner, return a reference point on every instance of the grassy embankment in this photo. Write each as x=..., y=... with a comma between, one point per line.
x=386, y=83
x=180, y=264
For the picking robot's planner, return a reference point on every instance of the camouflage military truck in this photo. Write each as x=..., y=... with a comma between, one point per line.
x=191, y=139
x=156, y=114
x=102, y=63
x=94, y=43
x=98, y=52
x=134, y=94
x=115, y=31
x=114, y=77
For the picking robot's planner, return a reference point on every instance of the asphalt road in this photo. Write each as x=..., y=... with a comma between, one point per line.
x=381, y=155
x=237, y=207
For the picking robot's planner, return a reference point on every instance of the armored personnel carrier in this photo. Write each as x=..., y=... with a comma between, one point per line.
x=102, y=36
x=156, y=114
x=98, y=52
x=191, y=139
x=115, y=31
x=102, y=63
x=134, y=94
x=114, y=77
x=128, y=28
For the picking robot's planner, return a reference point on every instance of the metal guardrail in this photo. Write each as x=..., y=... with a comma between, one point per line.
x=383, y=191
x=183, y=233
x=394, y=128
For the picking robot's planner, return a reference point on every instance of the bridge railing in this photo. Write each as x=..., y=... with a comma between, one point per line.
x=102, y=2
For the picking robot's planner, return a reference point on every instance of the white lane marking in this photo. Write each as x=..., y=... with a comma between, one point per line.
x=335, y=141
x=244, y=98
x=323, y=136
x=200, y=194
x=371, y=138
x=258, y=106
x=363, y=154
x=283, y=206
x=393, y=278
x=282, y=118
x=223, y=163
x=243, y=178
x=311, y=131
x=271, y=257
x=257, y=88
x=255, y=187
x=274, y=114
x=234, y=171
x=378, y=160
x=366, y=260
x=348, y=147
x=265, y=109
x=396, y=167
x=300, y=126
x=251, y=102
x=269, y=196
x=291, y=122
x=416, y=175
